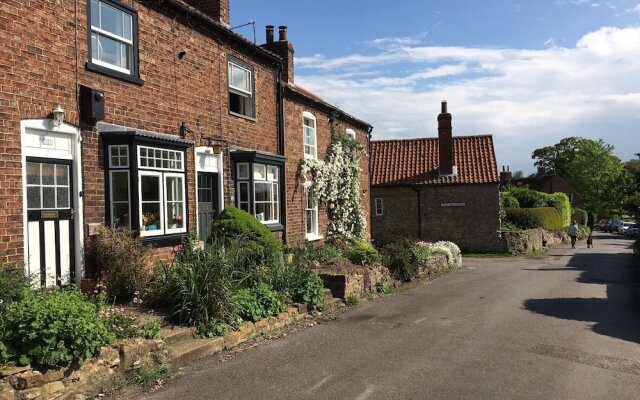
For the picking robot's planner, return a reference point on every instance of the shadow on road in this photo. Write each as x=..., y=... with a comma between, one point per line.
x=617, y=315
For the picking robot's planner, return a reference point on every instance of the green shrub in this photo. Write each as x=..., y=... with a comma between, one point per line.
x=257, y=303
x=399, y=258
x=126, y=326
x=361, y=252
x=352, y=301
x=454, y=255
x=529, y=218
x=121, y=261
x=527, y=198
x=580, y=216
x=13, y=281
x=314, y=255
x=237, y=228
x=561, y=203
x=296, y=282
x=54, y=327
x=509, y=200
x=421, y=253
x=197, y=288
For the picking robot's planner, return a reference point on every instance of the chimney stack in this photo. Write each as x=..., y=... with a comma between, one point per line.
x=445, y=142
x=505, y=175
x=218, y=10
x=269, y=34
x=283, y=48
x=541, y=171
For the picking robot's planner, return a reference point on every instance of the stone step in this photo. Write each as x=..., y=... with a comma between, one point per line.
x=188, y=351
x=177, y=334
x=334, y=302
x=327, y=294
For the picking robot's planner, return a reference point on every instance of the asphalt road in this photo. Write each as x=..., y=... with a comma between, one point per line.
x=559, y=326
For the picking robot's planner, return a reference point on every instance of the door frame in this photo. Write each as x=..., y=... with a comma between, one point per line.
x=41, y=139
x=217, y=166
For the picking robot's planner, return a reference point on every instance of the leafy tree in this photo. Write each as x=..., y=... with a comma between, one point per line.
x=590, y=167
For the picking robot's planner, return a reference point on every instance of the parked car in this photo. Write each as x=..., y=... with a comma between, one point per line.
x=602, y=224
x=613, y=225
x=623, y=227
x=629, y=230
x=634, y=232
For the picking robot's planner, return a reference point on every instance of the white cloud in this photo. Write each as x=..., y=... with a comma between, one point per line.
x=525, y=98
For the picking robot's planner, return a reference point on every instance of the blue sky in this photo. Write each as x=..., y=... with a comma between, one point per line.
x=529, y=73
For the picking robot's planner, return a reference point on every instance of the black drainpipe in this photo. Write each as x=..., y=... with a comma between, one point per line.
x=419, y=212
x=280, y=128
x=371, y=209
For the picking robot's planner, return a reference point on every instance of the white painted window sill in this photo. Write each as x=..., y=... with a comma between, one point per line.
x=313, y=238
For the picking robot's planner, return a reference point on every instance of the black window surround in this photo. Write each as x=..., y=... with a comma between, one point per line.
x=241, y=103
x=251, y=158
x=133, y=140
x=134, y=75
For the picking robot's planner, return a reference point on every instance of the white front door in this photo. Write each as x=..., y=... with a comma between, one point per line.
x=51, y=195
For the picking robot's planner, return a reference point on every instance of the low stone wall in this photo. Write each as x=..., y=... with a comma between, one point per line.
x=356, y=282
x=530, y=240
x=435, y=263
x=80, y=382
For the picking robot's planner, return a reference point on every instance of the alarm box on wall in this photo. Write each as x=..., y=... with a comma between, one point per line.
x=91, y=105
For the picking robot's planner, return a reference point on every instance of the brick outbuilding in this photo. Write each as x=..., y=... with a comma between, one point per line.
x=444, y=188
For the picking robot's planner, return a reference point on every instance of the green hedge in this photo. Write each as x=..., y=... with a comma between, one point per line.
x=528, y=218
x=580, y=216
x=521, y=196
x=509, y=200
x=561, y=203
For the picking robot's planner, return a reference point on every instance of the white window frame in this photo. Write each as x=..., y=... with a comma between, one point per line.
x=158, y=174
x=165, y=205
x=379, y=205
x=179, y=160
x=313, y=153
x=314, y=234
x=117, y=38
x=271, y=177
x=112, y=202
x=247, y=93
x=351, y=133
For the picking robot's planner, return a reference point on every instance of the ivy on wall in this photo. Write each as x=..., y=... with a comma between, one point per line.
x=336, y=184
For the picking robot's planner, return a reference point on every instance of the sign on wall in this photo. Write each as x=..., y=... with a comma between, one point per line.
x=452, y=204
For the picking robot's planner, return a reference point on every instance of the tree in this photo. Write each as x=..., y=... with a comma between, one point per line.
x=590, y=167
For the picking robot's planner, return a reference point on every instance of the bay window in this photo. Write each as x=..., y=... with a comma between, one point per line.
x=146, y=185
x=258, y=179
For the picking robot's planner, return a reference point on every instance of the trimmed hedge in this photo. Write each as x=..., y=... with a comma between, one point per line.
x=561, y=203
x=580, y=216
x=528, y=218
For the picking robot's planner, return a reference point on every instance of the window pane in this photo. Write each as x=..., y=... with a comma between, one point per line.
x=33, y=173
x=262, y=191
x=95, y=21
x=48, y=174
x=62, y=197
x=33, y=197
x=151, y=216
x=272, y=173
x=109, y=51
x=120, y=215
x=244, y=192
x=120, y=186
x=263, y=211
x=259, y=172
x=127, y=27
x=240, y=78
x=174, y=188
x=309, y=221
x=62, y=175
x=110, y=19
x=175, y=215
x=48, y=197
x=243, y=171
x=150, y=187
x=244, y=207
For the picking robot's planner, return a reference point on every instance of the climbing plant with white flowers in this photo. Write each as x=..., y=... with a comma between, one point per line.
x=336, y=184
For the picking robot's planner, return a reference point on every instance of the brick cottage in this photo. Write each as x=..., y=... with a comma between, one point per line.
x=443, y=188
x=149, y=116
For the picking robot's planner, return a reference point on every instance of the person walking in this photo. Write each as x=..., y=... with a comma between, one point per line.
x=573, y=232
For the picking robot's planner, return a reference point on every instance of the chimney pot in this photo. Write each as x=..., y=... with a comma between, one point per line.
x=444, y=106
x=269, y=34
x=282, y=31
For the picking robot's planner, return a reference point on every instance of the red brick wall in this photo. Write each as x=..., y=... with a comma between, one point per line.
x=294, y=151
x=38, y=71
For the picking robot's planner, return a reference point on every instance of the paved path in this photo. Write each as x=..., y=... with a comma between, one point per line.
x=558, y=326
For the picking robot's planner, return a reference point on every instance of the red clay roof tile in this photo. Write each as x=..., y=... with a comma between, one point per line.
x=415, y=161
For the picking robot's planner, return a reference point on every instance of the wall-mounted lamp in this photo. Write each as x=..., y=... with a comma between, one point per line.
x=58, y=116
x=217, y=148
